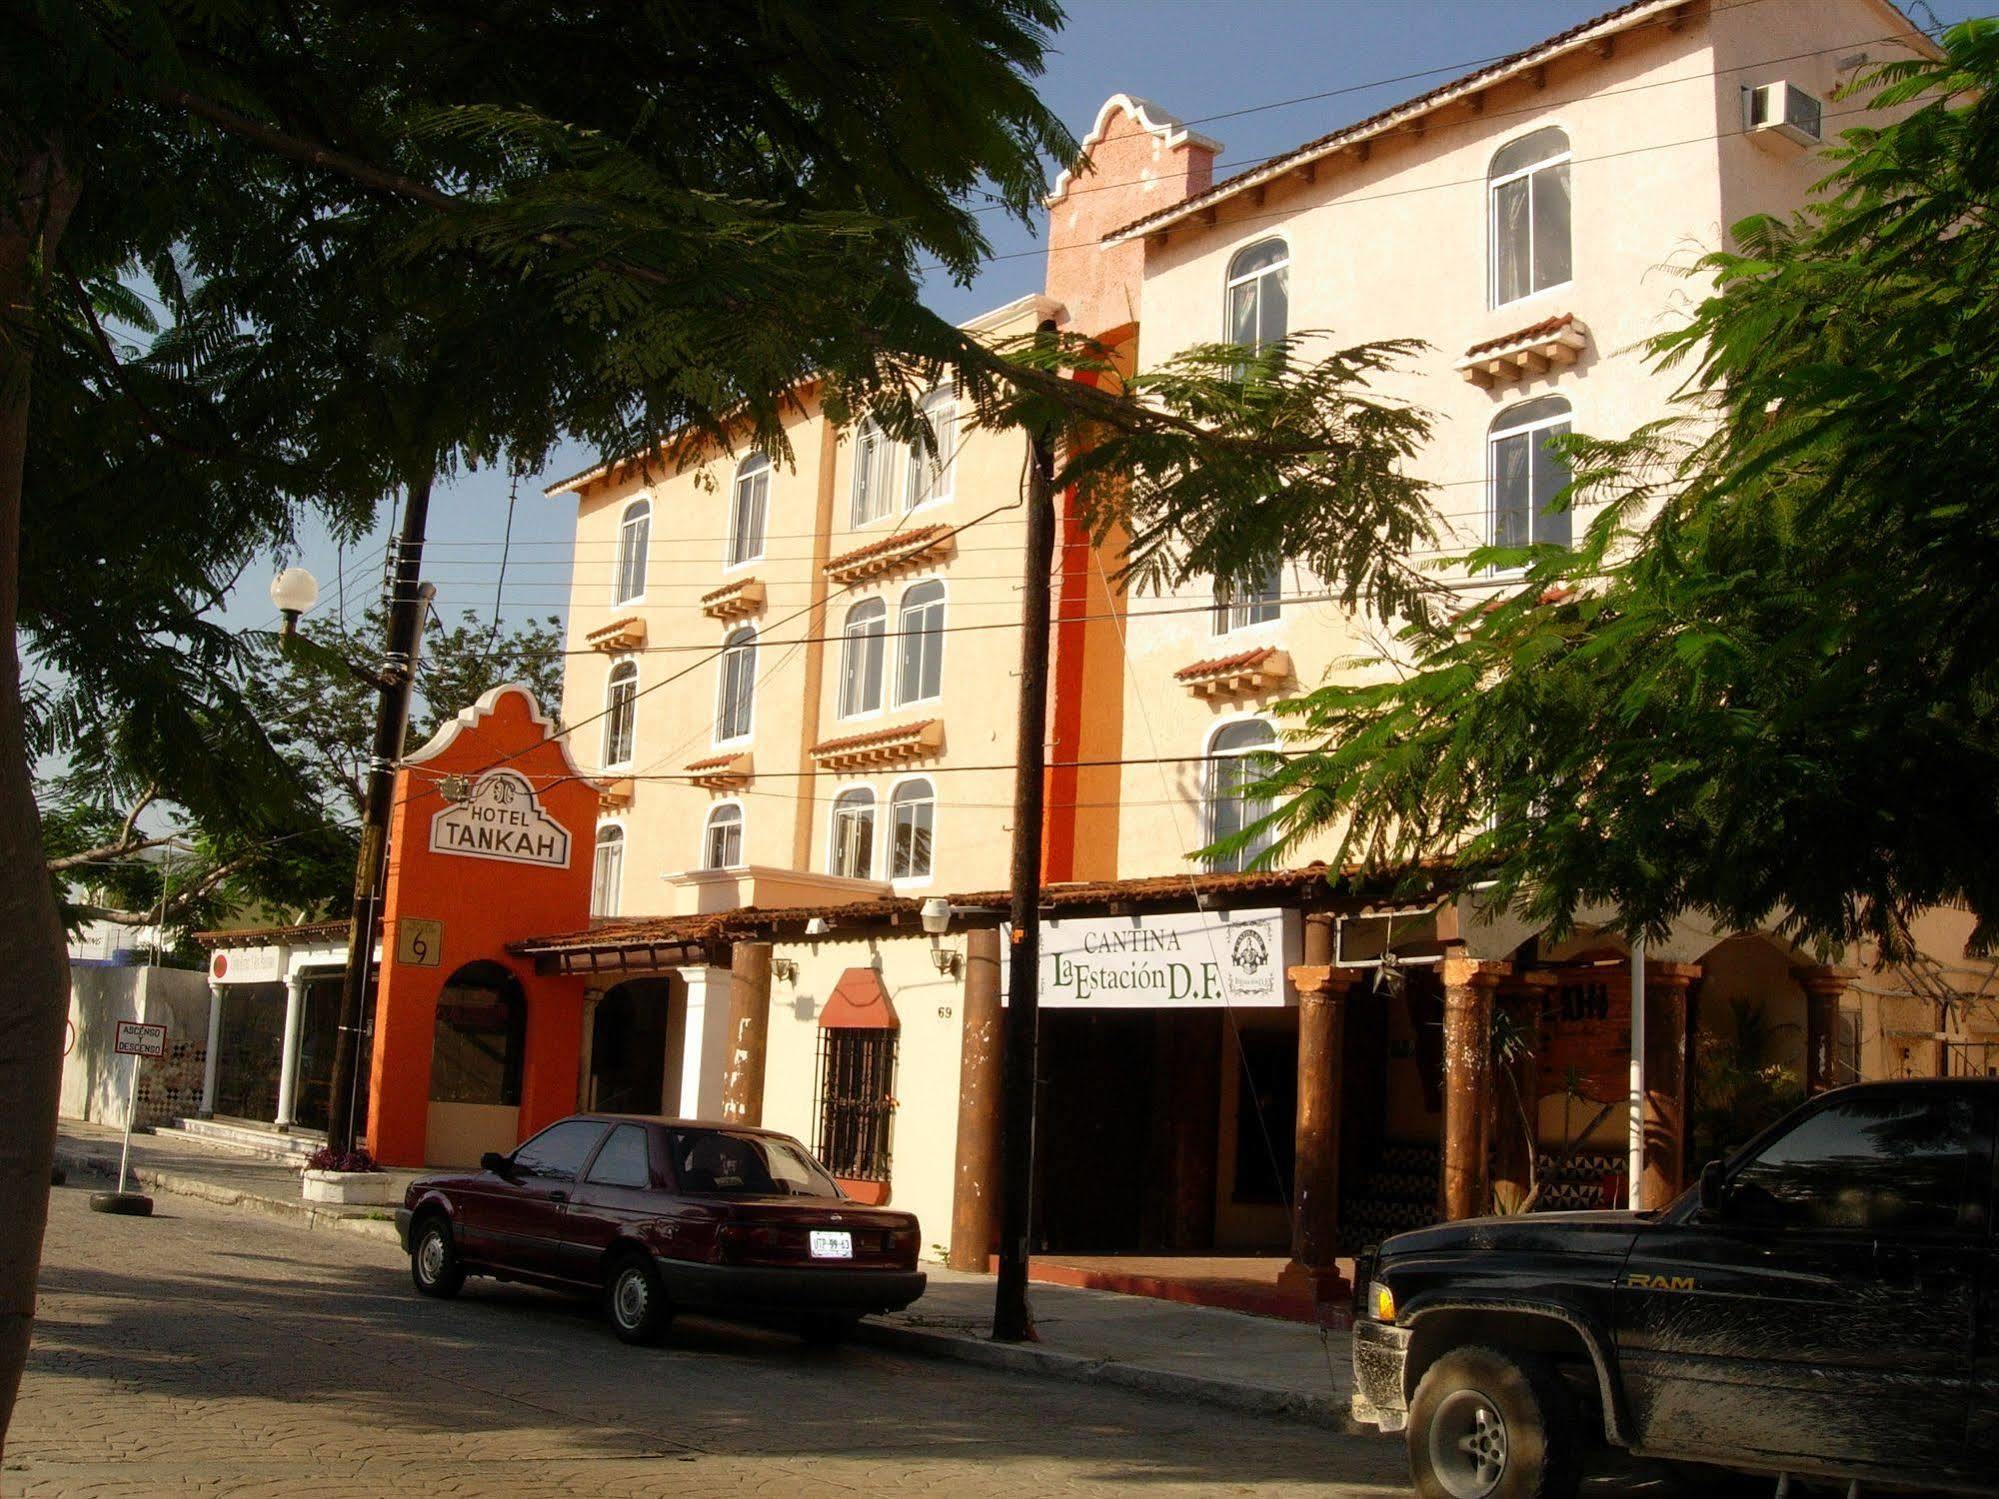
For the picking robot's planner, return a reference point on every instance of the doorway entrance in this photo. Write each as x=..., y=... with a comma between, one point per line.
x=628, y=1048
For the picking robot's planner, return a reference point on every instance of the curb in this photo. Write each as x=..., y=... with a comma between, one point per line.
x=1026, y=1358
x=85, y=1161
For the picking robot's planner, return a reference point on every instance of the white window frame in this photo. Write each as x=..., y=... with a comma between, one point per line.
x=1231, y=613
x=864, y=509
x=712, y=821
x=1493, y=436
x=622, y=671
x=604, y=841
x=943, y=400
x=742, y=638
x=895, y=790
x=1563, y=157
x=878, y=643
x=1210, y=759
x=1231, y=281
x=751, y=469
x=846, y=797
x=634, y=547
x=929, y=638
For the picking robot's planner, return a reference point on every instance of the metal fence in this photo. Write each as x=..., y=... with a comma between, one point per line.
x=856, y=1102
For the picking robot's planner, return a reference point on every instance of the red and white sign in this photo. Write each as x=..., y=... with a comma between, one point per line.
x=247, y=965
x=136, y=1038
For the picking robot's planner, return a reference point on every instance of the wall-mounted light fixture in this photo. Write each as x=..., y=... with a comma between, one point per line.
x=936, y=922
x=784, y=969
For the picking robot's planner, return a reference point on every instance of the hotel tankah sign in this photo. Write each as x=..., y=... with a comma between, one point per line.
x=502, y=820
x=1186, y=958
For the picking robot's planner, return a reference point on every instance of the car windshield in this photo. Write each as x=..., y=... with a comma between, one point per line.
x=714, y=1160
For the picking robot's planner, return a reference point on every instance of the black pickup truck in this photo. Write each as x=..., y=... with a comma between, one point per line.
x=1824, y=1304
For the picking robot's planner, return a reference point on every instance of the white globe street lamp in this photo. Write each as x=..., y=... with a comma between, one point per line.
x=294, y=591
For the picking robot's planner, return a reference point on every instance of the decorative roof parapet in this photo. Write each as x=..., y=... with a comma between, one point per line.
x=1525, y=352
x=627, y=634
x=892, y=554
x=735, y=600
x=721, y=772
x=911, y=741
x=1245, y=674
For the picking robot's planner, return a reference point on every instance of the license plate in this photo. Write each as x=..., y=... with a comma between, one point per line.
x=832, y=1244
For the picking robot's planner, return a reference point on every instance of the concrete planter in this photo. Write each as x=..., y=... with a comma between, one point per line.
x=363, y=1188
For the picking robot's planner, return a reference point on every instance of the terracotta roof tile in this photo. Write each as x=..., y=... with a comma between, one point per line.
x=889, y=550
x=1240, y=661
x=715, y=762
x=1546, y=328
x=879, y=736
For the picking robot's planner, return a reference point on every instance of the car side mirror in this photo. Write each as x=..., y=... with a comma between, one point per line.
x=496, y=1163
x=1713, y=1189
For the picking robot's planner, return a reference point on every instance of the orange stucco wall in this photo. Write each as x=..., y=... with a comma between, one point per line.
x=483, y=902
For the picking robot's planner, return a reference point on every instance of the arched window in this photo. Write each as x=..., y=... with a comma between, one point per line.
x=634, y=533
x=854, y=833
x=722, y=844
x=621, y=713
x=930, y=473
x=920, y=629
x=607, y=873
x=748, y=509
x=738, y=686
x=912, y=817
x=1259, y=294
x=1526, y=474
x=1236, y=760
x=480, y=1037
x=1256, y=601
x=861, y=644
x=874, y=466
x=1529, y=194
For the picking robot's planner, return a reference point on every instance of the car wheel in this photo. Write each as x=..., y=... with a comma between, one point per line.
x=635, y=1300
x=827, y=1329
x=1491, y=1425
x=434, y=1263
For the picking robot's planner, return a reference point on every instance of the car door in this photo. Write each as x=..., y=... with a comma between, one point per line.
x=545, y=1169
x=1822, y=1314
x=616, y=1192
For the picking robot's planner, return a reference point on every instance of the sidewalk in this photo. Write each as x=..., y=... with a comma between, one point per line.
x=1230, y=1360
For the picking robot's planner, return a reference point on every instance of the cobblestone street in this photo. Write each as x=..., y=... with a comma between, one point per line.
x=209, y=1351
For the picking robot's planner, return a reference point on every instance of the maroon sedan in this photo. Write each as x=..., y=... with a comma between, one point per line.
x=659, y=1215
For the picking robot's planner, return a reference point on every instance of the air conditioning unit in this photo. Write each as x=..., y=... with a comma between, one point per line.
x=1776, y=112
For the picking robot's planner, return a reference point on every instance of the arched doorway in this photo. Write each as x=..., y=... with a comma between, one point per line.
x=477, y=1047
x=628, y=1048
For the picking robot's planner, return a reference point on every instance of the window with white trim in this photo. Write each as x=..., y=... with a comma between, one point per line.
x=607, y=871
x=854, y=833
x=1259, y=294
x=621, y=713
x=1526, y=474
x=1238, y=757
x=1529, y=210
x=919, y=675
x=722, y=839
x=874, y=471
x=634, y=538
x=737, y=693
x=930, y=473
x=748, y=510
x=863, y=640
x=912, y=818
x=1256, y=601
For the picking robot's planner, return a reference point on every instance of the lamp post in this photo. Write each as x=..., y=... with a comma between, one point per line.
x=294, y=591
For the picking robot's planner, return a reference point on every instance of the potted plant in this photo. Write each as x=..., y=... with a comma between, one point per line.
x=349, y=1177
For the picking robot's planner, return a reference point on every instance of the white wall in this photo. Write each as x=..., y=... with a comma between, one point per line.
x=96, y=1081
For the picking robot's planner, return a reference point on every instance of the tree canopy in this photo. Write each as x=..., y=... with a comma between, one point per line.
x=1762, y=686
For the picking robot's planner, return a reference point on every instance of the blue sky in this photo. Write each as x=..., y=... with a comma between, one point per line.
x=1229, y=65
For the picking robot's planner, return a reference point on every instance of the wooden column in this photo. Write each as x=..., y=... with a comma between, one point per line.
x=1824, y=987
x=1315, y=1235
x=1516, y=1093
x=1666, y=1110
x=974, y=1199
x=749, y=1034
x=1468, y=988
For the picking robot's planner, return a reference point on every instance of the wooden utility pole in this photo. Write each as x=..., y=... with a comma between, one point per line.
x=1011, y=1323
x=407, y=602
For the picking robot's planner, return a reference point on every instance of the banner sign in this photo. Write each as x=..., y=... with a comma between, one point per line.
x=136, y=1038
x=1180, y=959
x=246, y=965
x=501, y=820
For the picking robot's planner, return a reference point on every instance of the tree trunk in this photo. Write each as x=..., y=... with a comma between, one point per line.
x=34, y=966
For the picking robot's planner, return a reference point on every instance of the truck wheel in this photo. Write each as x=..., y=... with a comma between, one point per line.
x=434, y=1263
x=1491, y=1425
x=635, y=1299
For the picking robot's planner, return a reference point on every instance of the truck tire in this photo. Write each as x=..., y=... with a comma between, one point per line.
x=1487, y=1424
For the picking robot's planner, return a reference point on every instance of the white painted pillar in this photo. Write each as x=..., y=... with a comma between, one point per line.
x=702, y=1042
x=214, y=1051
x=288, y=1059
x=1635, y=1131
